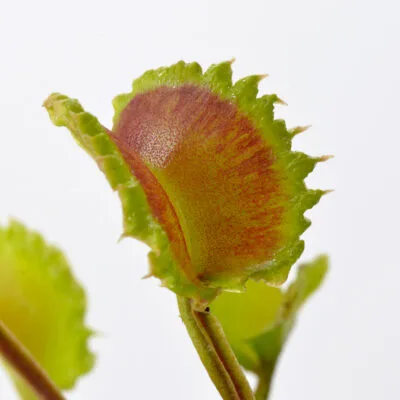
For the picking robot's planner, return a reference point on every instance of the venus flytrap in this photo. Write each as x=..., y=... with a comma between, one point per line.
x=208, y=180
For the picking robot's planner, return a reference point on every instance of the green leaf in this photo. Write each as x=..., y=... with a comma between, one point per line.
x=257, y=323
x=44, y=306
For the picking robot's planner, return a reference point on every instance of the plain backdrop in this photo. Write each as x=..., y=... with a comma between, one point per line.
x=336, y=63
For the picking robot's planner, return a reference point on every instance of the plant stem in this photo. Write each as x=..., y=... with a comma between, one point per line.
x=264, y=381
x=262, y=390
x=215, y=352
x=20, y=359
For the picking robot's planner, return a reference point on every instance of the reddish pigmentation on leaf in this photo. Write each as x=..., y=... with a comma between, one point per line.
x=208, y=176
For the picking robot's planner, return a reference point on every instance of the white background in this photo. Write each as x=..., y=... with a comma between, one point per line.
x=336, y=63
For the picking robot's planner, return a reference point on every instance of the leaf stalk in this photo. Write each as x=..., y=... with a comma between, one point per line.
x=24, y=364
x=215, y=352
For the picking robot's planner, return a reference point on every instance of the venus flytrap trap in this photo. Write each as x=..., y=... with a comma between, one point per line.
x=206, y=176
x=42, y=311
x=208, y=180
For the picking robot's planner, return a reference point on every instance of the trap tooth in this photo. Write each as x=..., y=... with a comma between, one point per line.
x=299, y=129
